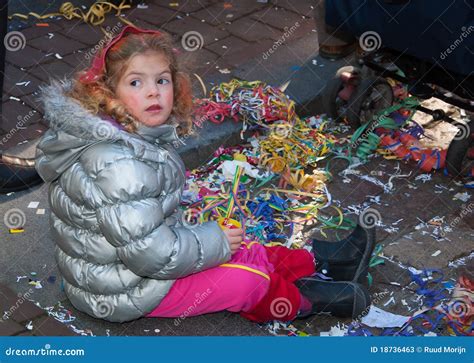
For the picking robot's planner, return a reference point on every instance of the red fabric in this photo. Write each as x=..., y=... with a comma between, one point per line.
x=291, y=264
x=283, y=298
x=98, y=63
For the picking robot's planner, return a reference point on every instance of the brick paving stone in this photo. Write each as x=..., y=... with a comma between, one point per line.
x=155, y=15
x=48, y=326
x=228, y=11
x=13, y=75
x=91, y=34
x=5, y=96
x=33, y=102
x=208, y=32
x=9, y=327
x=26, y=57
x=252, y=30
x=80, y=59
x=229, y=44
x=20, y=309
x=54, y=70
x=199, y=59
x=187, y=6
x=214, y=15
x=304, y=28
x=86, y=33
x=57, y=44
x=144, y=24
x=277, y=17
x=251, y=51
x=30, y=133
x=34, y=31
x=68, y=26
x=13, y=112
x=303, y=7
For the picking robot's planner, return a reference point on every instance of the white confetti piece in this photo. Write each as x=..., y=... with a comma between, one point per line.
x=436, y=253
x=390, y=301
x=424, y=177
x=58, y=56
x=33, y=205
x=383, y=319
x=40, y=211
x=25, y=84
x=464, y=197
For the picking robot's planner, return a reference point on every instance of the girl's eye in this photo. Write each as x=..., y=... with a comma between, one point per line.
x=135, y=83
x=163, y=81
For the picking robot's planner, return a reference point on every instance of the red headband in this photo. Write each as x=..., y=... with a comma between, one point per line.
x=98, y=64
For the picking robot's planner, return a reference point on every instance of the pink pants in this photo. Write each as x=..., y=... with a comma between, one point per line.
x=238, y=285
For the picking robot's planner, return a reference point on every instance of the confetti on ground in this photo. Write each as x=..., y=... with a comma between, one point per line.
x=464, y=197
x=33, y=205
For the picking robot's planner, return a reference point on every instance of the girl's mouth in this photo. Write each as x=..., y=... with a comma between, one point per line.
x=154, y=108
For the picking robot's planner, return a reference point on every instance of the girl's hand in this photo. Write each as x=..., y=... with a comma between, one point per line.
x=235, y=238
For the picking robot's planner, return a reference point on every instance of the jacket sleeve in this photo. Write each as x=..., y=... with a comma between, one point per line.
x=131, y=218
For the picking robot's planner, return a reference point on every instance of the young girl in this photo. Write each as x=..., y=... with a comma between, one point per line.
x=116, y=184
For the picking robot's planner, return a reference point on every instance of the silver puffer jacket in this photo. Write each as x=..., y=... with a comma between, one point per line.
x=120, y=243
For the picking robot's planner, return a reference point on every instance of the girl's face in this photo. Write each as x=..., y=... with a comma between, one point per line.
x=146, y=88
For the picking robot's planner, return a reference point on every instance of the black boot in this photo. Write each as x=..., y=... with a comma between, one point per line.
x=347, y=259
x=339, y=298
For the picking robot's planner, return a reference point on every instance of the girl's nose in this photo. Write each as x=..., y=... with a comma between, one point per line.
x=153, y=90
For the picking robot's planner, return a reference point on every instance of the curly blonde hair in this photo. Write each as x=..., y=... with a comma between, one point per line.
x=99, y=96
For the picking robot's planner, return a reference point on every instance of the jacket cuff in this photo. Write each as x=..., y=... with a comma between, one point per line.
x=213, y=245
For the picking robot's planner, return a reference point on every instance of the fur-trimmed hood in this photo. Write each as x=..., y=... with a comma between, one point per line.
x=73, y=129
